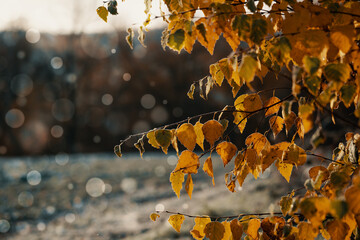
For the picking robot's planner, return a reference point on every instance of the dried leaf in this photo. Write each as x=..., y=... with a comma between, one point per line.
x=154, y=216
x=190, y=93
x=117, y=150
x=236, y=229
x=214, y=231
x=102, y=12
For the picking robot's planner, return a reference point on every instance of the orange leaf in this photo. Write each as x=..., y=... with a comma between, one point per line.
x=274, y=109
x=300, y=128
x=189, y=185
x=337, y=229
x=208, y=168
x=227, y=233
x=198, y=230
x=188, y=162
x=252, y=103
x=315, y=171
x=154, y=216
x=212, y=130
x=176, y=221
x=258, y=142
x=176, y=179
x=253, y=228
x=214, y=231
x=199, y=134
x=227, y=151
x=273, y=227
x=276, y=124
x=253, y=161
x=289, y=121
x=307, y=231
x=236, y=229
x=352, y=196
x=187, y=136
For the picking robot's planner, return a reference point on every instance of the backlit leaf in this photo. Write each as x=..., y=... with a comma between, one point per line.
x=289, y=121
x=152, y=140
x=313, y=84
x=315, y=209
x=227, y=151
x=214, y=231
x=258, y=141
x=337, y=229
x=273, y=227
x=252, y=103
x=190, y=93
x=253, y=228
x=198, y=230
x=212, y=130
x=130, y=37
x=307, y=231
x=248, y=69
x=208, y=168
x=188, y=162
x=117, y=150
x=102, y=12
x=140, y=146
x=311, y=64
x=300, y=127
x=176, y=220
x=154, y=216
x=187, y=136
x=189, y=185
x=272, y=107
x=236, y=229
x=163, y=138
x=276, y=124
x=347, y=94
x=176, y=41
x=285, y=169
x=314, y=172
x=216, y=74
x=227, y=233
x=258, y=30
x=295, y=155
x=343, y=37
x=285, y=204
x=176, y=179
x=352, y=196
x=339, y=208
x=199, y=134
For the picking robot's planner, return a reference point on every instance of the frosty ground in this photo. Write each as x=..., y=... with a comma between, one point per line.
x=99, y=196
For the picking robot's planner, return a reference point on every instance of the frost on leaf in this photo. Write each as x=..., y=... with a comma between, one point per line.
x=212, y=130
x=176, y=179
x=176, y=221
x=187, y=136
x=188, y=162
x=227, y=151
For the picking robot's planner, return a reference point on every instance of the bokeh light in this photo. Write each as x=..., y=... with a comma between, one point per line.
x=107, y=99
x=177, y=112
x=15, y=118
x=159, y=207
x=41, y=226
x=148, y=101
x=25, y=199
x=63, y=110
x=172, y=160
x=56, y=131
x=4, y=226
x=95, y=187
x=159, y=115
x=32, y=35
x=129, y=185
x=62, y=158
x=56, y=62
x=140, y=126
x=21, y=85
x=70, y=217
x=127, y=77
x=33, y=177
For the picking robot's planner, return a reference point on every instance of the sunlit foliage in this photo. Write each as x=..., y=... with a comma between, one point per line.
x=317, y=42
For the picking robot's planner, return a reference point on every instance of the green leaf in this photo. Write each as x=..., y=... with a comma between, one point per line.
x=347, y=94
x=176, y=40
x=339, y=208
x=258, y=30
x=163, y=138
x=337, y=72
x=103, y=13
x=313, y=84
x=311, y=64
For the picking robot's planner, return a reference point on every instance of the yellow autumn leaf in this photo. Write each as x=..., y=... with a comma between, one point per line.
x=189, y=185
x=315, y=209
x=212, y=130
x=187, y=136
x=152, y=140
x=227, y=233
x=176, y=179
x=214, y=231
x=176, y=220
x=208, y=169
x=253, y=161
x=352, y=196
x=285, y=169
x=258, y=142
x=188, y=162
x=154, y=216
x=295, y=155
x=300, y=127
x=253, y=228
x=343, y=37
x=314, y=172
x=272, y=106
x=289, y=121
x=199, y=134
x=102, y=12
x=276, y=124
x=252, y=103
x=273, y=227
x=227, y=151
x=247, y=69
x=307, y=231
x=198, y=230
